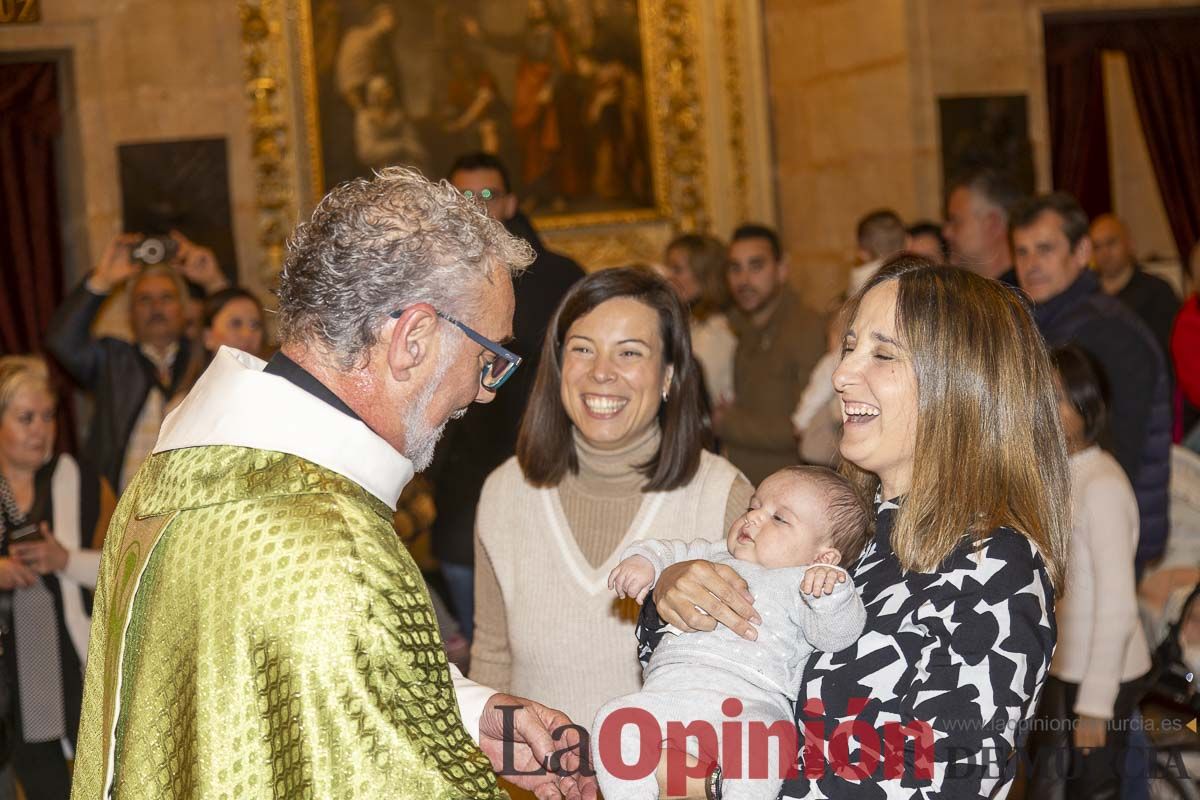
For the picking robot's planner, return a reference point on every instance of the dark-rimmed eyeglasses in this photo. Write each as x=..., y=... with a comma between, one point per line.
x=495, y=372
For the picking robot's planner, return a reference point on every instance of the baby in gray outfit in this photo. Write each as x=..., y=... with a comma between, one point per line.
x=801, y=524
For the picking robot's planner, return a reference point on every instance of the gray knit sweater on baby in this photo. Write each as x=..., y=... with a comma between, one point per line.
x=793, y=625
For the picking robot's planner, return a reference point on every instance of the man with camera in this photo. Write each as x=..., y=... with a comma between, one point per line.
x=131, y=382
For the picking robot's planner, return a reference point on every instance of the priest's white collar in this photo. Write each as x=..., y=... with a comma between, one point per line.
x=235, y=403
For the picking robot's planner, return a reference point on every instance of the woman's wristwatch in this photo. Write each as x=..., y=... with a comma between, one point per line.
x=712, y=784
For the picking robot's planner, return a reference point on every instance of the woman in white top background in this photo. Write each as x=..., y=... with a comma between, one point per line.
x=45, y=577
x=1094, y=682
x=695, y=268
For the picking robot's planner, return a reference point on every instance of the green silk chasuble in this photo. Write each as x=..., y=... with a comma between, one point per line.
x=259, y=632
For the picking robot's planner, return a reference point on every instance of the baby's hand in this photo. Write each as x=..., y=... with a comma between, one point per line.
x=633, y=577
x=821, y=580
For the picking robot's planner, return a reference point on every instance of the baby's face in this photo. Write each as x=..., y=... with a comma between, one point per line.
x=784, y=526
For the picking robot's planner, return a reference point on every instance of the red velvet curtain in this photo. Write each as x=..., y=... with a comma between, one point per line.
x=31, y=269
x=30, y=245
x=1166, y=86
x=1164, y=66
x=1078, y=125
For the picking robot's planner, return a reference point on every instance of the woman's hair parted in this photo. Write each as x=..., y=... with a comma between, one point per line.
x=708, y=258
x=989, y=444
x=545, y=446
x=375, y=246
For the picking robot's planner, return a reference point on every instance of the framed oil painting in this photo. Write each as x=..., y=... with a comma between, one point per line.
x=987, y=131
x=623, y=122
x=180, y=185
x=557, y=89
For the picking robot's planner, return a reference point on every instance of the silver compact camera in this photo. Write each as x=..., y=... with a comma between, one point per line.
x=154, y=250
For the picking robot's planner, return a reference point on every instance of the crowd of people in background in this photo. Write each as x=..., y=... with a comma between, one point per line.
x=731, y=374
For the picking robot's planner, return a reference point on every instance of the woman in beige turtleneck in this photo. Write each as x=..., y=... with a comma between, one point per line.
x=610, y=451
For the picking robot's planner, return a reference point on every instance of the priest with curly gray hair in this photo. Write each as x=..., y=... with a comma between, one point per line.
x=260, y=631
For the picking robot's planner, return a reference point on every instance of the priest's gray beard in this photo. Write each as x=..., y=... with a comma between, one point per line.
x=420, y=438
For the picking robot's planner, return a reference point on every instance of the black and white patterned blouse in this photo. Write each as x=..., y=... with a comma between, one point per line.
x=954, y=659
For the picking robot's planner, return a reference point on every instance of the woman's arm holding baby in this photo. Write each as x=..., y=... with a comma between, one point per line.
x=696, y=595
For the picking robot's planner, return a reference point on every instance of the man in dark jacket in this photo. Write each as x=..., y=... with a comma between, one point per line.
x=130, y=383
x=476, y=444
x=1149, y=297
x=1052, y=249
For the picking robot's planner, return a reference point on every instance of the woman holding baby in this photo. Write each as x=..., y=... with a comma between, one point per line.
x=951, y=424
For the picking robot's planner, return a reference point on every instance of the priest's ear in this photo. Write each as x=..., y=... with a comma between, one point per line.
x=410, y=337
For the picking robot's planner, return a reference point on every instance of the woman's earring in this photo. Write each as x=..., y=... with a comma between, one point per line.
x=665, y=395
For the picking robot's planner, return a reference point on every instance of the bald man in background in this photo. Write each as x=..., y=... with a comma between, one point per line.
x=1149, y=297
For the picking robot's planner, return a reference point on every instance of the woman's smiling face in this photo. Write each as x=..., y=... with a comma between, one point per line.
x=613, y=375
x=878, y=388
x=238, y=324
x=27, y=427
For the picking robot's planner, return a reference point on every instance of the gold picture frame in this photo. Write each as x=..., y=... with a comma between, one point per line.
x=671, y=106
x=706, y=120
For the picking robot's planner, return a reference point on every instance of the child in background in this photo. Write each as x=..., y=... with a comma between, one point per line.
x=1095, y=677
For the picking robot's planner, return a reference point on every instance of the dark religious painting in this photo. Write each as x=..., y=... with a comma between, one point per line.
x=989, y=130
x=180, y=185
x=553, y=87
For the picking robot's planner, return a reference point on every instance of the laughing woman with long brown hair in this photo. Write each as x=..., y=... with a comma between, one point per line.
x=951, y=424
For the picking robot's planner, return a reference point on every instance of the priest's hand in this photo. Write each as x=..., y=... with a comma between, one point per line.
x=536, y=748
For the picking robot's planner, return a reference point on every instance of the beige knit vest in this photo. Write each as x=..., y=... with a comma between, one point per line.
x=573, y=644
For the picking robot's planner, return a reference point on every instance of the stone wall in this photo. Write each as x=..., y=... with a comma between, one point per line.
x=137, y=71
x=842, y=106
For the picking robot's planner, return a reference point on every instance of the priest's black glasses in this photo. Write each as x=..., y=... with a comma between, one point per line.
x=495, y=372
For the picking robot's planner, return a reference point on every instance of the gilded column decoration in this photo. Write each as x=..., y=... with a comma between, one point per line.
x=679, y=112
x=736, y=108
x=612, y=246
x=264, y=54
